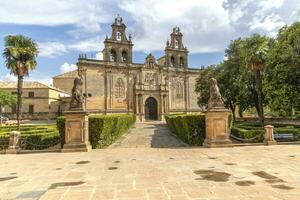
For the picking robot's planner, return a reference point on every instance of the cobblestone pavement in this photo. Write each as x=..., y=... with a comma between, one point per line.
x=247, y=173
x=153, y=134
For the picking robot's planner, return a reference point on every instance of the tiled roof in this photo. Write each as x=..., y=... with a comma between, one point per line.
x=71, y=74
x=27, y=84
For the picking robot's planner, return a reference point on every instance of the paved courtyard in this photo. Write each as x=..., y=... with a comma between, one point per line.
x=149, y=162
x=257, y=172
x=154, y=134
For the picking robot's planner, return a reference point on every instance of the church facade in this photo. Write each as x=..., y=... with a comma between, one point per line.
x=150, y=90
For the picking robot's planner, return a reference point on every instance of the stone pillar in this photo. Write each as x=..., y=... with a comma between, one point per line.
x=269, y=136
x=13, y=147
x=217, y=129
x=76, y=132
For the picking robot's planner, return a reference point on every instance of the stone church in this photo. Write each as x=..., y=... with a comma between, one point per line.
x=150, y=90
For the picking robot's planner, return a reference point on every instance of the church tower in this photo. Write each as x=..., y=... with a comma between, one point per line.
x=176, y=54
x=117, y=48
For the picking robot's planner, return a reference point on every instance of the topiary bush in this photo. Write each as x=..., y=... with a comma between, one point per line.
x=103, y=129
x=188, y=127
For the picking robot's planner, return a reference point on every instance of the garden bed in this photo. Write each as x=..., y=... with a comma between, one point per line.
x=32, y=136
x=249, y=130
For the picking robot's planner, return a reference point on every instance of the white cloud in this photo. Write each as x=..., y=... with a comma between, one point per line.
x=263, y=16
x=86, y=15
x=66, y=67
x=91, y=44
x=208, y=26
x=51, y=49
x=8, y=77
x=154, y=19
x=99, y=56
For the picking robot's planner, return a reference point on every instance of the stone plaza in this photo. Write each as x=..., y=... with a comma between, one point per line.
x=131, y=169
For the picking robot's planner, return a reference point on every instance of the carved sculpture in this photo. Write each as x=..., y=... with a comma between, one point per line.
x=150, y=61
x=77, y=95
x=215, y=98
x=150, y=78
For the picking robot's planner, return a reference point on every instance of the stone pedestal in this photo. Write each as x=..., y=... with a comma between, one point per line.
x=217, y=130
x=76, y=132
x=269, y=135
x=13, y=147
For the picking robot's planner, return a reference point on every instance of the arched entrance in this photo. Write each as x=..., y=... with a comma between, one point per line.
x=151, y=109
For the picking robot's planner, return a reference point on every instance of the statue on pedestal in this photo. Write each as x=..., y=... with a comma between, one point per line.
x=215, y=98
x=77, y=101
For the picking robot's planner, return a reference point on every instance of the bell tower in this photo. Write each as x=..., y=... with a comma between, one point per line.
x=118, y=48
x=176, y=54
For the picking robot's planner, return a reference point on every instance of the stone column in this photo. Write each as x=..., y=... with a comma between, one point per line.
x=269, y=136
x=76, y=132
x=217, y=130
x=13, y=147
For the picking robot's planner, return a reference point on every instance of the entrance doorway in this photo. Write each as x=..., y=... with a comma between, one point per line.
x=151, y=109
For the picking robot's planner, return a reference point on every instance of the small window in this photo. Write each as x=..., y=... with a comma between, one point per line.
x=113, y=56
x=31, y=109
x=181, y=61
x=14, y=109
x=118, y=36
x=124, y=56
x=176, y=44
x=172, y=61
x=89, y=95
x=31, y=94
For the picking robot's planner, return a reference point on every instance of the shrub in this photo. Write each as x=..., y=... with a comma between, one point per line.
x=247, y=130
x=40, y=140
x=33, y=136
x=188, y=127
x=103, y=129
x=60, y=124
x=245, y=134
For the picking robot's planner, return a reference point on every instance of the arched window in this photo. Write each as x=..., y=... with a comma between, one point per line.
x=124, y=56
x=119, y=89
x=176, y=44
x=181, y=62
x=172, y=61
x=118, y=36
x=113, y=56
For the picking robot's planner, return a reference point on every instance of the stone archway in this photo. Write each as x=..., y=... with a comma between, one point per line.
x=151, y=109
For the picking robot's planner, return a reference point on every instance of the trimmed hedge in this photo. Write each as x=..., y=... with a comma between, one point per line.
x=103, y=129
x=247, y=130
x=35, y=136
x=188, y=127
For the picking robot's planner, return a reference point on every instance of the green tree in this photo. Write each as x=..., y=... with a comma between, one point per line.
x=6, y=99
x=282, y=76
x=20, y=57
x=231, y=78
x=256, y=51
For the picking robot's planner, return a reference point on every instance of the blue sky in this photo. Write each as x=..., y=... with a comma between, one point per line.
x=65, y=28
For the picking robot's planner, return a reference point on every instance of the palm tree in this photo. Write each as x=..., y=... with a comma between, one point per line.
x=256, y=52
x=20, y=56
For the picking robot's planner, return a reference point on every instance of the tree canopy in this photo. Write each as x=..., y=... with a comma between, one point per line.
x=258, y=72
